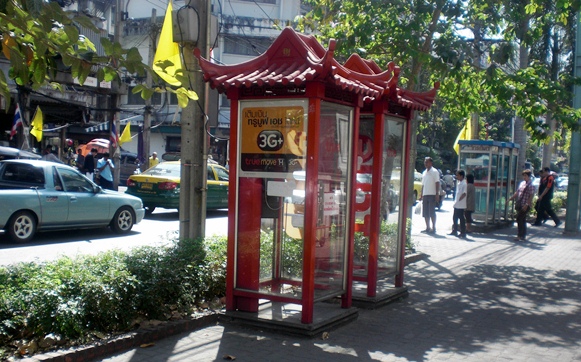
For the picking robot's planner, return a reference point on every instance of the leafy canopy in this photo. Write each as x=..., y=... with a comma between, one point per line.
x=41, y=41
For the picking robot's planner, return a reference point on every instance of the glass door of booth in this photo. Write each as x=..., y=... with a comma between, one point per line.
x=390, y=195
x=478, y=164
x=272, y=175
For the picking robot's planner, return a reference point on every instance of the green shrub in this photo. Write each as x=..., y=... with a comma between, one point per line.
x=559, y=200
x=387, y=245
x=291, y=255
x=75, y=297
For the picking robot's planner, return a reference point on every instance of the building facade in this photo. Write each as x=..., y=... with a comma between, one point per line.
x=245, y=29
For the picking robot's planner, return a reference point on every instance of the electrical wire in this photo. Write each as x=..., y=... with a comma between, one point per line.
x=265, y=13
x=242, y=29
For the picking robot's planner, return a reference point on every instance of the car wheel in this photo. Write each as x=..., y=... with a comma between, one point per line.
x=123, y=220
x=149, y=210
x=22, y=226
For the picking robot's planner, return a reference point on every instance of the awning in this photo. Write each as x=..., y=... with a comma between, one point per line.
x=101, y=127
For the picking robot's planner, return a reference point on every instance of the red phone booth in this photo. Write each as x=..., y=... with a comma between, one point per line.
x=293, y=161
x=382, y=187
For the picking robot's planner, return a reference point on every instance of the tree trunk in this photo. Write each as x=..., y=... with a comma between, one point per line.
x=548, y=148
x=520, y=134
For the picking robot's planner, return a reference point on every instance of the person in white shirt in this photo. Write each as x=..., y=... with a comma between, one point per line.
x=459, y=205
x=430, y=196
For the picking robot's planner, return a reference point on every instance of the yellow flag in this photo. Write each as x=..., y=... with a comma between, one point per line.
x=167, y=50
x=465, y=134
x=37, y=125
x=126, y=135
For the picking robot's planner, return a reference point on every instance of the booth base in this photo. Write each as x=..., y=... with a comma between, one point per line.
x=386, y=293
x=482, y=227
x=286, y=318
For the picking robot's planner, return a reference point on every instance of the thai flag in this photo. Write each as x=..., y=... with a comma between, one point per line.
x=114, y=137
x=17, y=122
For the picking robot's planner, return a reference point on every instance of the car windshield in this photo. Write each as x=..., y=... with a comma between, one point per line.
x=164, y=169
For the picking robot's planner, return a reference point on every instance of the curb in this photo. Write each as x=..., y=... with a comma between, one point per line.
x=415, y=257
x=125, y=342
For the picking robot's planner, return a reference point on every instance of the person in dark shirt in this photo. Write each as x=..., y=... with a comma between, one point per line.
x=546, y=188
x=89, y=164
x=80, y=161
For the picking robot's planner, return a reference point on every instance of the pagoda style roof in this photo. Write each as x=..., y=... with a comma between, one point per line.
x=295, y=59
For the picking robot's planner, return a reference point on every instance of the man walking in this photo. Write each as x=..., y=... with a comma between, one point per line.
x=459, y=205
x=546, y=189
x=430, y=196
x=524, y=198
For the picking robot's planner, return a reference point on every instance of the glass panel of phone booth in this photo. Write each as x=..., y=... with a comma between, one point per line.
x=503, y=185
x=391, y=188
x=363, y=194
x=333, y=200
x=272, y=161
x=514, y=177
x=478, y=164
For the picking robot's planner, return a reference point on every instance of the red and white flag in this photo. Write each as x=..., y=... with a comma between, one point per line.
x=16, y=123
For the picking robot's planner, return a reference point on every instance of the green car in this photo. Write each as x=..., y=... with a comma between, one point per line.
x=159, y=186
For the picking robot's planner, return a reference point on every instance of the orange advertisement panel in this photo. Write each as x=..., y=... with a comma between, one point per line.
x=273, y=138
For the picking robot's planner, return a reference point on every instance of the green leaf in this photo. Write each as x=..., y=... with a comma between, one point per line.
x=72, y=33
x=56, y=86
x=146, y=93
x=110, y=73
x=100, y=75
x=182, y=100
x=134, y=56
x=84, y=21
x=107, y=45
x=86, y=44
x=39, y=69
x=4, y=90
x=138, y=88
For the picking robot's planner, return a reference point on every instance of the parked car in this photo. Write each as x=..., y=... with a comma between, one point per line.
x=562, y=183
x=536, y=183
x=40, y=195
x=159, y=186
x=129, y=165
x=417, y=185
x=10, y=153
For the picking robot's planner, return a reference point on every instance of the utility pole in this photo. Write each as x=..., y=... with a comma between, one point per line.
x=116, y=99
x=193, y=141
x=147, y=114
x=572, y=219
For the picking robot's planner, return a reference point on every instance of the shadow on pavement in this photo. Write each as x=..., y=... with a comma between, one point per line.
x=479, y=313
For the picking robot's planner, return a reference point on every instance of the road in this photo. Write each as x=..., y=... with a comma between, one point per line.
x=157, y=229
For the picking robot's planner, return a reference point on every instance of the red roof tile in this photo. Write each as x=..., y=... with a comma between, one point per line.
x=295, y=59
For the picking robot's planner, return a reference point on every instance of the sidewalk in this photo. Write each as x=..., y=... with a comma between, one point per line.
x=483, y=299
